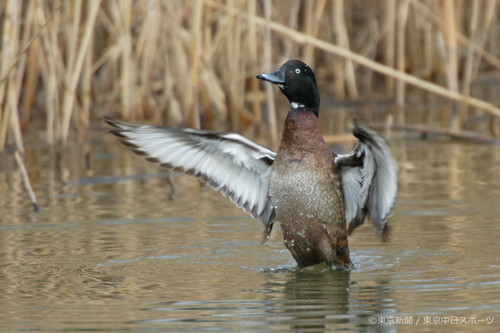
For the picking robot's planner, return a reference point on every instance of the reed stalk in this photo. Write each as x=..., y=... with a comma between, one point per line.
x=269, y=66
x=343, y=41
x=390, y=42
x=27, y=182
x=255, y=99
x=469, y=58
x=31, y=70
x=450, y=56
x=401, y=21
x=314, y=14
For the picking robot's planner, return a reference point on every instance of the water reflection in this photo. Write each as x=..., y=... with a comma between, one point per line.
x=314, y=299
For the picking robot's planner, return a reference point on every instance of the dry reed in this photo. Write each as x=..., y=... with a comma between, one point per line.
x=27, y=182
x=193, y=62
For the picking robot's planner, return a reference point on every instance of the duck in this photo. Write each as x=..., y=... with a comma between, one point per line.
x=318, y=197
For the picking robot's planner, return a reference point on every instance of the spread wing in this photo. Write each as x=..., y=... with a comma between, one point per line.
x=228, y=162
x=370, y=181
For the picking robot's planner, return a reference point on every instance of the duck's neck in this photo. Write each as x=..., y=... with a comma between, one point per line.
x=301, y=129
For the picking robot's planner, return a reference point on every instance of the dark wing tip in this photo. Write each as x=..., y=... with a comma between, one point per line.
x=110, y=121
x=364, y=135
x=119, y=133
x=120, y=125
x=117, y=129
x=267, y=232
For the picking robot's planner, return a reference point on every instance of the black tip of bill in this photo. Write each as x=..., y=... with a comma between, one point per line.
x=275, y=77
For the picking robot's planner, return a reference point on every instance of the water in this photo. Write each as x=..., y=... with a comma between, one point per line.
x=117, y=248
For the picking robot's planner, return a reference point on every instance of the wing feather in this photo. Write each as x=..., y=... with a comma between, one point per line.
x=370, y=181
x=228, y=162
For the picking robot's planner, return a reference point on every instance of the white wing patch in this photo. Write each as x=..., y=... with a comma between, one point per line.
x=228, y=162
x=370, y=180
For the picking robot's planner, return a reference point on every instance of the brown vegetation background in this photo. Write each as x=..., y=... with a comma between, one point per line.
x=193, y=63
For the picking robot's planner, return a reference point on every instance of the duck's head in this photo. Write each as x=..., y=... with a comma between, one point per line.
x=297, y=82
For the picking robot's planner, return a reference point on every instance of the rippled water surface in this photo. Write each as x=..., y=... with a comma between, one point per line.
x=121, y=246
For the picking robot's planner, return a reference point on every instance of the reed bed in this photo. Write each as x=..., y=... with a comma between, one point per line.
x=192, y=63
